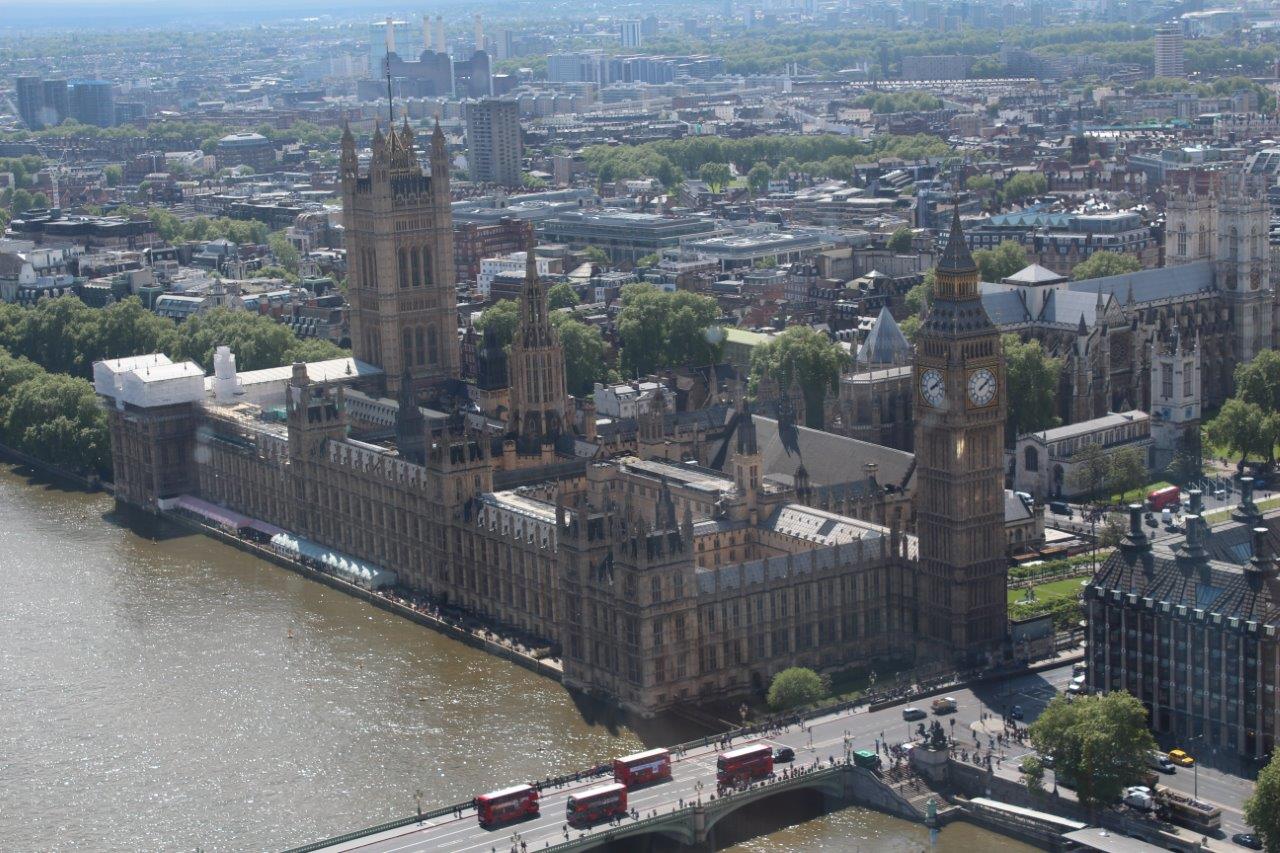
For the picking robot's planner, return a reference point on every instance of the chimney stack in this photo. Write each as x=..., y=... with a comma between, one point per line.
x=391, y=36
x=1192, y=548
x=1137, y=538
x=1197, y=501
x=479, y=33
x=1263, y=561
x=1246, y=511
x=440, y=43
x=426, y=32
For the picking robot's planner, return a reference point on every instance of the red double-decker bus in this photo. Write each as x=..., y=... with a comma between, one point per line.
x=643, y=767
x=745, y=764
x=510, y=804
x=1169, y=496
x=596, y=804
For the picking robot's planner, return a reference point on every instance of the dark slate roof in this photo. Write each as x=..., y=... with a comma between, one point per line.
x=1218, y=584
x=1015, y=509
x=956, y=257
x=885, y=344
x=1005, y=307
x=1066, y=307
x=1152, y=285
x=832, y=461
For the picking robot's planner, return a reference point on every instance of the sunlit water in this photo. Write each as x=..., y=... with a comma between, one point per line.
x=177, y=694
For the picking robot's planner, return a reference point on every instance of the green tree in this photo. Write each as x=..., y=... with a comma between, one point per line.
x=257, y=341
x=980, y=183
x=758, y=178
x=650, y=260
x=1101, y=264
x=503, y=316
x=660, y=329
x=1091, y=471
x=1126, y=470
x=1240, y=427
x=920, y=296
x=1033, y=774
x=1258, y=381
x=126, y=328
x=795, y=686
x=900, y=241
x=313, y=349
x=1262, y=808
x=113, y=174
x=584, y=353
x=816, y=357
x=597, y=256
x=910, y=327
x=1023, y=185
x=58, y=418
x=715, y=175
x=61, y=335
x=1032, y=379
x=1102, y=742
x=1001, y=262
x=562, y=295
x=14, y=371
x=286, y=254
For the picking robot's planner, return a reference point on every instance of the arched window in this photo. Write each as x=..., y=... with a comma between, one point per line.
x=406, y=347
x=422, y=356
x=433, y=346
x=417, y=269
x=403, y=267
x=426, y=265
x=1182, y=240
x=1032, y=461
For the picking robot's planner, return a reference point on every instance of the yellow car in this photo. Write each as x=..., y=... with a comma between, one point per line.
x=1180, y=758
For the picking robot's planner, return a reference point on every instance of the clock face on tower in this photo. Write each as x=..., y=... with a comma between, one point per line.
x=932, y=388
x=982, y=387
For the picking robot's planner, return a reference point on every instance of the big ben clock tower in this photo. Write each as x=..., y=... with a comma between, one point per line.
x=960, y=422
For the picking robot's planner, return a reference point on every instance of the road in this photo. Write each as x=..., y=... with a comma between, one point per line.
x=824, y=739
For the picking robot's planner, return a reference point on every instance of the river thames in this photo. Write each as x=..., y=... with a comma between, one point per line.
x=175, y=694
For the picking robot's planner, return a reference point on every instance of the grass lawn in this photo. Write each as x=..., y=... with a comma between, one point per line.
x=1064, y=588
x=1140, y=494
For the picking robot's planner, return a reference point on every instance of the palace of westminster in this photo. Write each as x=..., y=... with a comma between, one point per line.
x=687, y=562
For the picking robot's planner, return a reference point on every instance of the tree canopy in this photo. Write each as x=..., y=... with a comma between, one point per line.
x=561, y=295
x=658, y=328
x=1102, y=264
x=900, y=240
x=795, y=686
x=813, y=355
x=1262, y=808
x=503, y=316
x=1001, y=262
x=257, y=341
x=584, y=353
x=1101, y=742
x=1243, y=428
x=1032, y=379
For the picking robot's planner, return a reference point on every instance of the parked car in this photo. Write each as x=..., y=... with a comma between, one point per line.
x=913, y=713
x=1060, y=508
x=944, y=705
x=1246, y=839
x=1016, y=712
x=1180, y=758
x=784, y=753
x=1160, y=761
x=1139, y=797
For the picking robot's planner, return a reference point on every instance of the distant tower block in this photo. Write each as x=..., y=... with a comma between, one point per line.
x=440, y=42
x=391, y=36
x=479, y=33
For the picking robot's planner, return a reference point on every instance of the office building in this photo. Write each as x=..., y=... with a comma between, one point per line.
x=1169, y=51
x=30, y=98
x=246, y=149
x=630, y=33
x=493, y=142
x=42, y=103
x=93, y=102
x=1187, y=625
